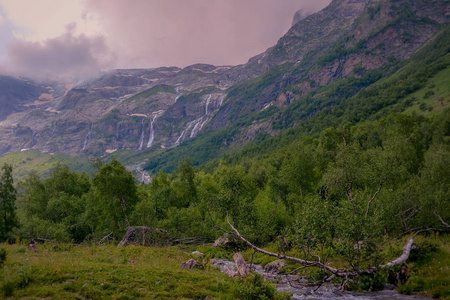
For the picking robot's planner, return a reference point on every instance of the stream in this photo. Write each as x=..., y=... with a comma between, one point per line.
x=295, y=285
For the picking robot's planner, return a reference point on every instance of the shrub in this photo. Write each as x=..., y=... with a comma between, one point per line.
x=3, y=255
x=254, y=287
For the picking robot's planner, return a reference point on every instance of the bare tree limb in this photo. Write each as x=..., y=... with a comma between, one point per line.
x=281, y=256
x=442, y=220
x=343, y=273
x=374, y=196
x=105, y=237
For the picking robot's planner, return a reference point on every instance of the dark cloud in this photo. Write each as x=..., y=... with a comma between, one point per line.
x=151, y=33
x=68, y=54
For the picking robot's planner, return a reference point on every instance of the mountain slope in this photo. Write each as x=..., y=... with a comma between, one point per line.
x=164, y=114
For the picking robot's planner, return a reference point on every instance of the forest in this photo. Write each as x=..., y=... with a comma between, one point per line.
x=342, y=197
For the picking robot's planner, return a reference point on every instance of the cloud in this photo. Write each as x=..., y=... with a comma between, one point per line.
x=138, y=33
x=151, y=33
x=68, y=54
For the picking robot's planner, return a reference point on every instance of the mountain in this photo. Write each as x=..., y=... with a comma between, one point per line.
x=161, y=115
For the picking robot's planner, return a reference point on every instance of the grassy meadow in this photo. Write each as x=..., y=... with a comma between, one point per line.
x=110, y=272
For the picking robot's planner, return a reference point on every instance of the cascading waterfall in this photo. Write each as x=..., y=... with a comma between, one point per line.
x=177, y=90
x=86, y=140
x=196, y=126
x=152, y=131
x=141, y=144
x=207, y=104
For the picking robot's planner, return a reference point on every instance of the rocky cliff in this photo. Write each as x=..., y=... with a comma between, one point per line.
x=160, y=108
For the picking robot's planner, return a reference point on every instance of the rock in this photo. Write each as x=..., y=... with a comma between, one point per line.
x=275, y=266
x=198, y=253
x=241, y=266
x=191, y=264
x=32, y=245
x=145, y=236
x=225, y=242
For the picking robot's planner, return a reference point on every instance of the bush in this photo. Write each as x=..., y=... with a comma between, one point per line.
x=254, y=287
x=3, y=255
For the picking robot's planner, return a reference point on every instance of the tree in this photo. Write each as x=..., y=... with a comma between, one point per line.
x=117, y=191
x=7, y=202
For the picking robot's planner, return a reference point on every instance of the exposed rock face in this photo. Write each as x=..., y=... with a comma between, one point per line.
x=191, y=264
x=163, y=107
x=241, y=266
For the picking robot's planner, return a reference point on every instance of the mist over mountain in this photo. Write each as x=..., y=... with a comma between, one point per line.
x=148, y=111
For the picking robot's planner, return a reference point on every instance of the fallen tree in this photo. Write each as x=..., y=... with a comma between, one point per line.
x=343, y=273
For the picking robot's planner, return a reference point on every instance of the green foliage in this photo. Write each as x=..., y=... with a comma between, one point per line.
x=3, y=255
x=116, y=189
x=254, y=287
x=53, y=208
x=7, y=202
x=162, y=88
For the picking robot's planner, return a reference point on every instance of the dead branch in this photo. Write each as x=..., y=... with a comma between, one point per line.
x=442, y=220
x=111, y=234
x=343, y=273
x=373, y=197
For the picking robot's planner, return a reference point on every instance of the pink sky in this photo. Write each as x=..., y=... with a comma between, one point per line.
x=81, y=37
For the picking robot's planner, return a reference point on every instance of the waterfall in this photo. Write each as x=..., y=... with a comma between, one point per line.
x=142, y=135
x=86, y=140
x=195, y=127
x=179, y=138
x=207, y=104
x=189, y=125
x=152, y=132
x=177, y=90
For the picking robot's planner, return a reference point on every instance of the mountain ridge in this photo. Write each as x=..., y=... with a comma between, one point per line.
x=160, y=108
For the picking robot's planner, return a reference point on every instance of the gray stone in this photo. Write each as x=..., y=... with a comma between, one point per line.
x=198, y=253
x=275, y=266
x=191, y=264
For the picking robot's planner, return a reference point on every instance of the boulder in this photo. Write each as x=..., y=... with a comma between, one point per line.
x=226, y=242
x=275, y=266
x=198, y=253
x=191, y=264
x=32, y=245
x=241, y=266
x=145, y=236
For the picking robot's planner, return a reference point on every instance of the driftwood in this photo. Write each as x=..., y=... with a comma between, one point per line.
x=145, y=236
x=110, y=235
x=345, y=274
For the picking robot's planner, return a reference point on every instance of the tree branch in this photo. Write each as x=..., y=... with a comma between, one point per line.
x=281, y=256
x=442, y=220
x=343, y=273
x=374, y=195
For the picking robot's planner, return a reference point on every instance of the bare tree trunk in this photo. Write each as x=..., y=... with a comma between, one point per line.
x=343, y=273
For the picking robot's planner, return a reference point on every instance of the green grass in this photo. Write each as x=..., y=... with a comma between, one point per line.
x=81, y=272
x=434, y=97
x=162, y=88
x=34, y=161
x=429, y=268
